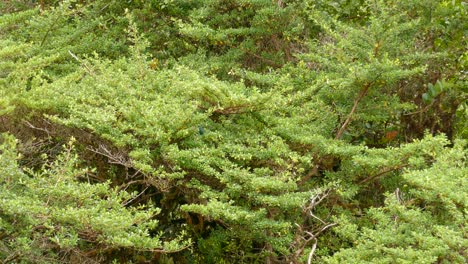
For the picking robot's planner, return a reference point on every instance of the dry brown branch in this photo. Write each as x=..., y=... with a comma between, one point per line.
x=37, y=128
x=118, y=158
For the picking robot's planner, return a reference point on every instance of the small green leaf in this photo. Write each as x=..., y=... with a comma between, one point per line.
x=432, y=90
x=426, y=97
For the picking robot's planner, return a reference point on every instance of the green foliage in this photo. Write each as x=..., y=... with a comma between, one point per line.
x=175, y=103
x=55, y=214
x=261, y=131
x=421, y=225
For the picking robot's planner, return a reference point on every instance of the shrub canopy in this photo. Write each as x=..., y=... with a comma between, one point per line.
x=221, y=131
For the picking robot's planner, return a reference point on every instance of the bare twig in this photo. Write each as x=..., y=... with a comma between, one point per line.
x=126, y=185
x=317, y=199
x=119, y=158
x=325, y=228
x=37, y=128
x=311, y=214
x=311, y=254
x=314, y=237
x=82, y=63
x=398, y=195
x=311, y=235
x=102, y=9
x=134, y=198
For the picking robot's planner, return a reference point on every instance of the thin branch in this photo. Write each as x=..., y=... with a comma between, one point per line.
x=361, y=95
x=314, y=237
x=317, y=199
x=311, y=254
x=37, y=128
x=325, y=228
x=46, y=35
x=268, y=61
x=311, y=235
x=124, y=187
x=134, y=198
x=164, y=251
x=383, y=172
x=113, y=158
x=82, y=64
x=102, y=9
x=398, y=195
x=422, y=110
x=11, y=258
x=84, y=256
x=312, y=214
x=237, y=109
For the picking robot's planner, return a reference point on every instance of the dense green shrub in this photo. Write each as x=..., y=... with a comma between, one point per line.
x=55, y=214
x=233, y=131
x=422, y=223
